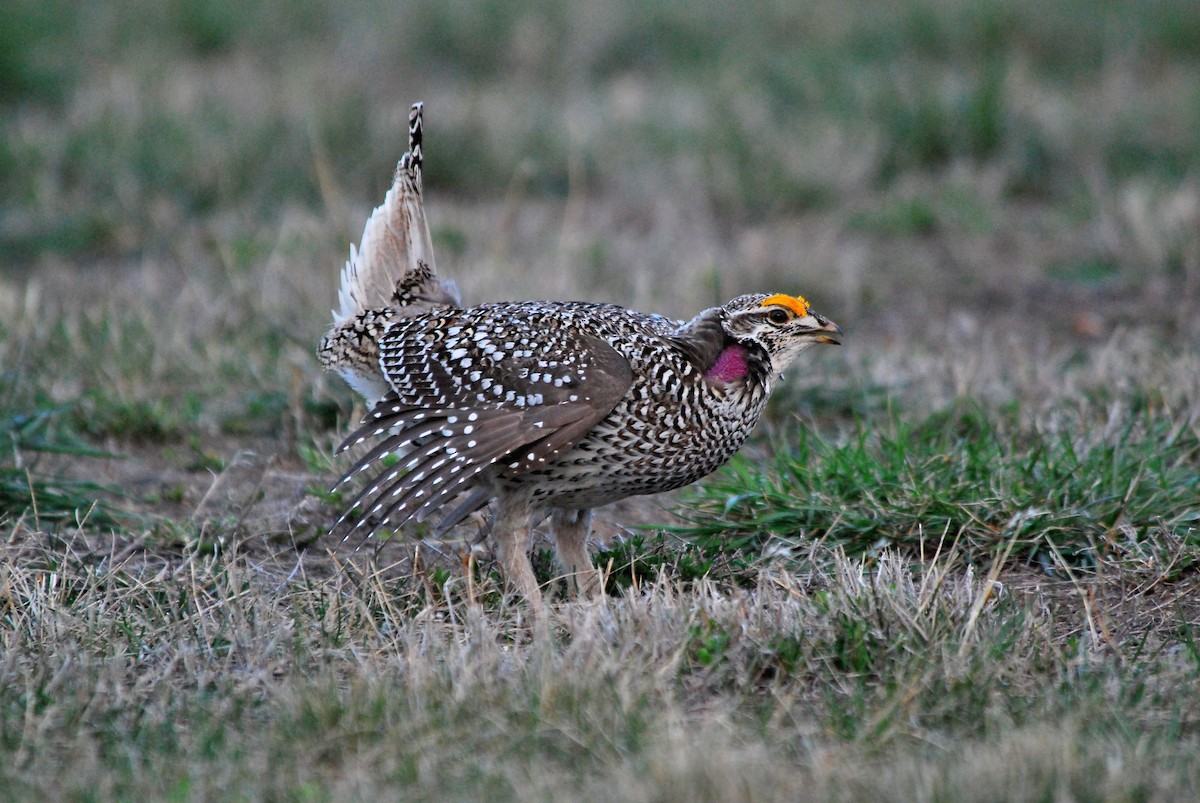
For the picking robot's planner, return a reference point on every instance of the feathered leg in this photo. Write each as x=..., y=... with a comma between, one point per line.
x=571, y=528
x=510, y=534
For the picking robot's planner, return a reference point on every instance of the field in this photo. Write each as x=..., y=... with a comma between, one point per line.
x=957, y=561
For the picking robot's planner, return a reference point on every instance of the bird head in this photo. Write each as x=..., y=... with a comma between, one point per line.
x=781, y=325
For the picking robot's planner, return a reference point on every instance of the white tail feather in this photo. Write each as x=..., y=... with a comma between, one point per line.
x=395, y=240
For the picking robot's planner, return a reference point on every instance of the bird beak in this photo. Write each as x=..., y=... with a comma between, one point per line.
x=828, y=332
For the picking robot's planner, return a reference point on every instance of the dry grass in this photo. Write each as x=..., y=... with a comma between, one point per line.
x=199, y=675
x=996, y=201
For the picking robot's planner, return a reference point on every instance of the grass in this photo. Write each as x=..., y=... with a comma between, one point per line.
x=957, y=561
x=313, y=685
x=993, y=487
x=49, y=500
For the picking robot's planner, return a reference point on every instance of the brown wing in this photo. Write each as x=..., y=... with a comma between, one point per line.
x=477, y=389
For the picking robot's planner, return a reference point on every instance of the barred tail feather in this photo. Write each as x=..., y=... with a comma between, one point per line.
x=395, y=244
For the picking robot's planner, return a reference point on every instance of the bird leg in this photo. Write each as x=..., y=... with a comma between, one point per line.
x=510, y=534
x=570, y=528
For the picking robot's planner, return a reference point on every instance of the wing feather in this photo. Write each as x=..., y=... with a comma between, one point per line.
x=468, y=406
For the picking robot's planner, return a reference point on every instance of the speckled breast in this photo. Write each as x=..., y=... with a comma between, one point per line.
x=670, y=429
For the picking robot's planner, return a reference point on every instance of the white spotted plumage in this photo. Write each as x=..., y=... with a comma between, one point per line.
x=547, y=407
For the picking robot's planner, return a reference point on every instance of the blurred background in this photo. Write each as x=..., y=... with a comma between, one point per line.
x=180, y=180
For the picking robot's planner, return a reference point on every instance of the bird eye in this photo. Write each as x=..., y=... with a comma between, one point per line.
x=777, y=316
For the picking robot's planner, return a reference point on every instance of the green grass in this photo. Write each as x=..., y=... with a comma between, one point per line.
x=977, y=479
x=931, y=86
x=50, y=500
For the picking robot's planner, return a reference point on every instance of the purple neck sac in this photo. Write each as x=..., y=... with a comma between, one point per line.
x=730, y=366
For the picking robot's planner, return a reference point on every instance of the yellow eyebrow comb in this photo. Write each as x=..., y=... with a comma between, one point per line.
x=795, y=303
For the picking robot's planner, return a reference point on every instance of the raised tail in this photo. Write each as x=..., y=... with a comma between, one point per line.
x=390, y=275
x=393, y=265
